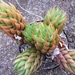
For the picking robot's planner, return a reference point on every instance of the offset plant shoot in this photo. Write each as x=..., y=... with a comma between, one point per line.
x=43, y=37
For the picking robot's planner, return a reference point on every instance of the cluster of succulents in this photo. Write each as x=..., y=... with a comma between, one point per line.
x=42, y=36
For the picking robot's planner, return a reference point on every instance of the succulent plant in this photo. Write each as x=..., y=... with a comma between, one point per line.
x=28, y=61
x=57, y=17
x=11, y=20
x=45, y=38
x=66, y=59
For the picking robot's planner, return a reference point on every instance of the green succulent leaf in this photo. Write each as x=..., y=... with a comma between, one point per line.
x=57, y=17
x=28, y=61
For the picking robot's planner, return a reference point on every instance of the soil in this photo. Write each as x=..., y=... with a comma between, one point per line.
x=9, y=49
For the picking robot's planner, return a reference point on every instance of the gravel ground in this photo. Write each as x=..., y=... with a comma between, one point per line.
x=9, y=48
